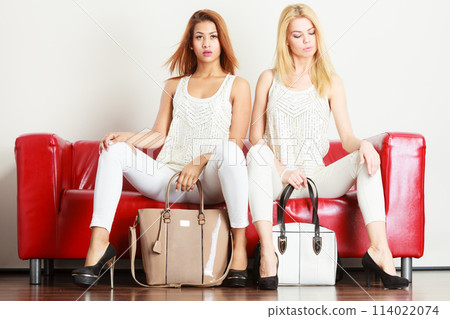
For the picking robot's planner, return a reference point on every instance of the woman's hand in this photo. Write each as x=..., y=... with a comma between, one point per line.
x=106, y=140
x=189, y=176
x=112, y=138
x=368, y=154
x=294, y=177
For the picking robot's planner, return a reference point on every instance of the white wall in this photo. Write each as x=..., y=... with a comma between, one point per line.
x=60, y=72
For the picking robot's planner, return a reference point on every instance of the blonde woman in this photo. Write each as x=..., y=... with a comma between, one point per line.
x=289, y=128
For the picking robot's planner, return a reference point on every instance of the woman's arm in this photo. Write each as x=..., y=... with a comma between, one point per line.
x=154, y=138
x=164, y=117
x=258, y=122
x=258, y=126
x=350, y=143
x=241, y=110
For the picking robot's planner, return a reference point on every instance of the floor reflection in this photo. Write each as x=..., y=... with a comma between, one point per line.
x=427, y=285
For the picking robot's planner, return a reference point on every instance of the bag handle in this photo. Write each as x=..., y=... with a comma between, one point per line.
x=166, y=213
x=133, y=246
x=314, y=197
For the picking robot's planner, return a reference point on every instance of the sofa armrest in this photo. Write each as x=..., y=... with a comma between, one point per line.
x=403, y=174
x=44, y=169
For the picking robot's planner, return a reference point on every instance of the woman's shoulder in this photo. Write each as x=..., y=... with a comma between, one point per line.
x=337, y=85
x=240, y=84
x=265, y=79
x=172, y=84
x=267, y=75
x=336, y=79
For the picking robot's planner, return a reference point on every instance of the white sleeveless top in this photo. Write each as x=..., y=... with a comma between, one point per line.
x=197, y=124
x=297, y=127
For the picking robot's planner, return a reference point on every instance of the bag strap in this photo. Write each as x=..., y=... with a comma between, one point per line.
x=317, y=240
x=133, y=245
x=201, y=215
x=314, y=197
x=282, y=239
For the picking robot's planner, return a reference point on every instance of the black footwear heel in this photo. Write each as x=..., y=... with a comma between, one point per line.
x=88, y=276
x=111, y=270
x=264, y=283
x=367, y=278
x=389, y=282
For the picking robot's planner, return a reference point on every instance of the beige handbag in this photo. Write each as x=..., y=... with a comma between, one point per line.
x=182, y=246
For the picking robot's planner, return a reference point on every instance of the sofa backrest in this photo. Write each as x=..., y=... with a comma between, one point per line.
x=85, y=160
x=335, y=152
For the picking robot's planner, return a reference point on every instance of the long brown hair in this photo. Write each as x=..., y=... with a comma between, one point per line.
x=184, y=60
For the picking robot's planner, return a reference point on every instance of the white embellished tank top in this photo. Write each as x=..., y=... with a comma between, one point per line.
x=297, y=127
x=197, y=124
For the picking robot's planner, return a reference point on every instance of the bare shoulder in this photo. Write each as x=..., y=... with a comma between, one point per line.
x=265, y=80
x=264, y=83
x=240, y=85
x=171, y=85
x=267, y=76
x=336, y=81
x=337, y=85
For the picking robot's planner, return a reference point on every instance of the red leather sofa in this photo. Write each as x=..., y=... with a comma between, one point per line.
x=55, y=190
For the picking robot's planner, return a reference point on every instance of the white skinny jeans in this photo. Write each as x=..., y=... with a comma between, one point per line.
x=224, y=178
x=332, y=181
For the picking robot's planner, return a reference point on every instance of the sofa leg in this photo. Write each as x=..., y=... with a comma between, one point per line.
x=407, y=268
x=35, y=271
x=48, y=267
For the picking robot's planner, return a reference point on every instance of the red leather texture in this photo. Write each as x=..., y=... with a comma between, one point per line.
x=44, y=165
x=56, y=179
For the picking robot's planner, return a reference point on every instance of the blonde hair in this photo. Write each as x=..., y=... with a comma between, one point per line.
x=322, y=69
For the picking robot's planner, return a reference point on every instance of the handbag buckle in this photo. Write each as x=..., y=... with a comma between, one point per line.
x=317, y=244
x=282, y=244
x=201, y=219
x=166, y=216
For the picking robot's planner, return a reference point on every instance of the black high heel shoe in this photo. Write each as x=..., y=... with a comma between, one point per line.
x=264, y=283
x=389, y=281
x=236, y=278
x=88, y=276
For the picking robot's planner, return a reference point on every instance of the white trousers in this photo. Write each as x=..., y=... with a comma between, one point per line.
x=224, y=178
x=332, y=181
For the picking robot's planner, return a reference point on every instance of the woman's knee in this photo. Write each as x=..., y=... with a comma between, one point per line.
x=260, y=155
x=120, y=150
x=117, y=148
x=229, y=153
x=356, y=163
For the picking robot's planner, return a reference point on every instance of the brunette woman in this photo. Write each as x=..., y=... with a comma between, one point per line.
x=203, y=117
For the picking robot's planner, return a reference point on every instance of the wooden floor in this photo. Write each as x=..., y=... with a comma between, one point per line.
x=427, y=285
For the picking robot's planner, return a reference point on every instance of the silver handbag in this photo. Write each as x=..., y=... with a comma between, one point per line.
x=308, y=252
